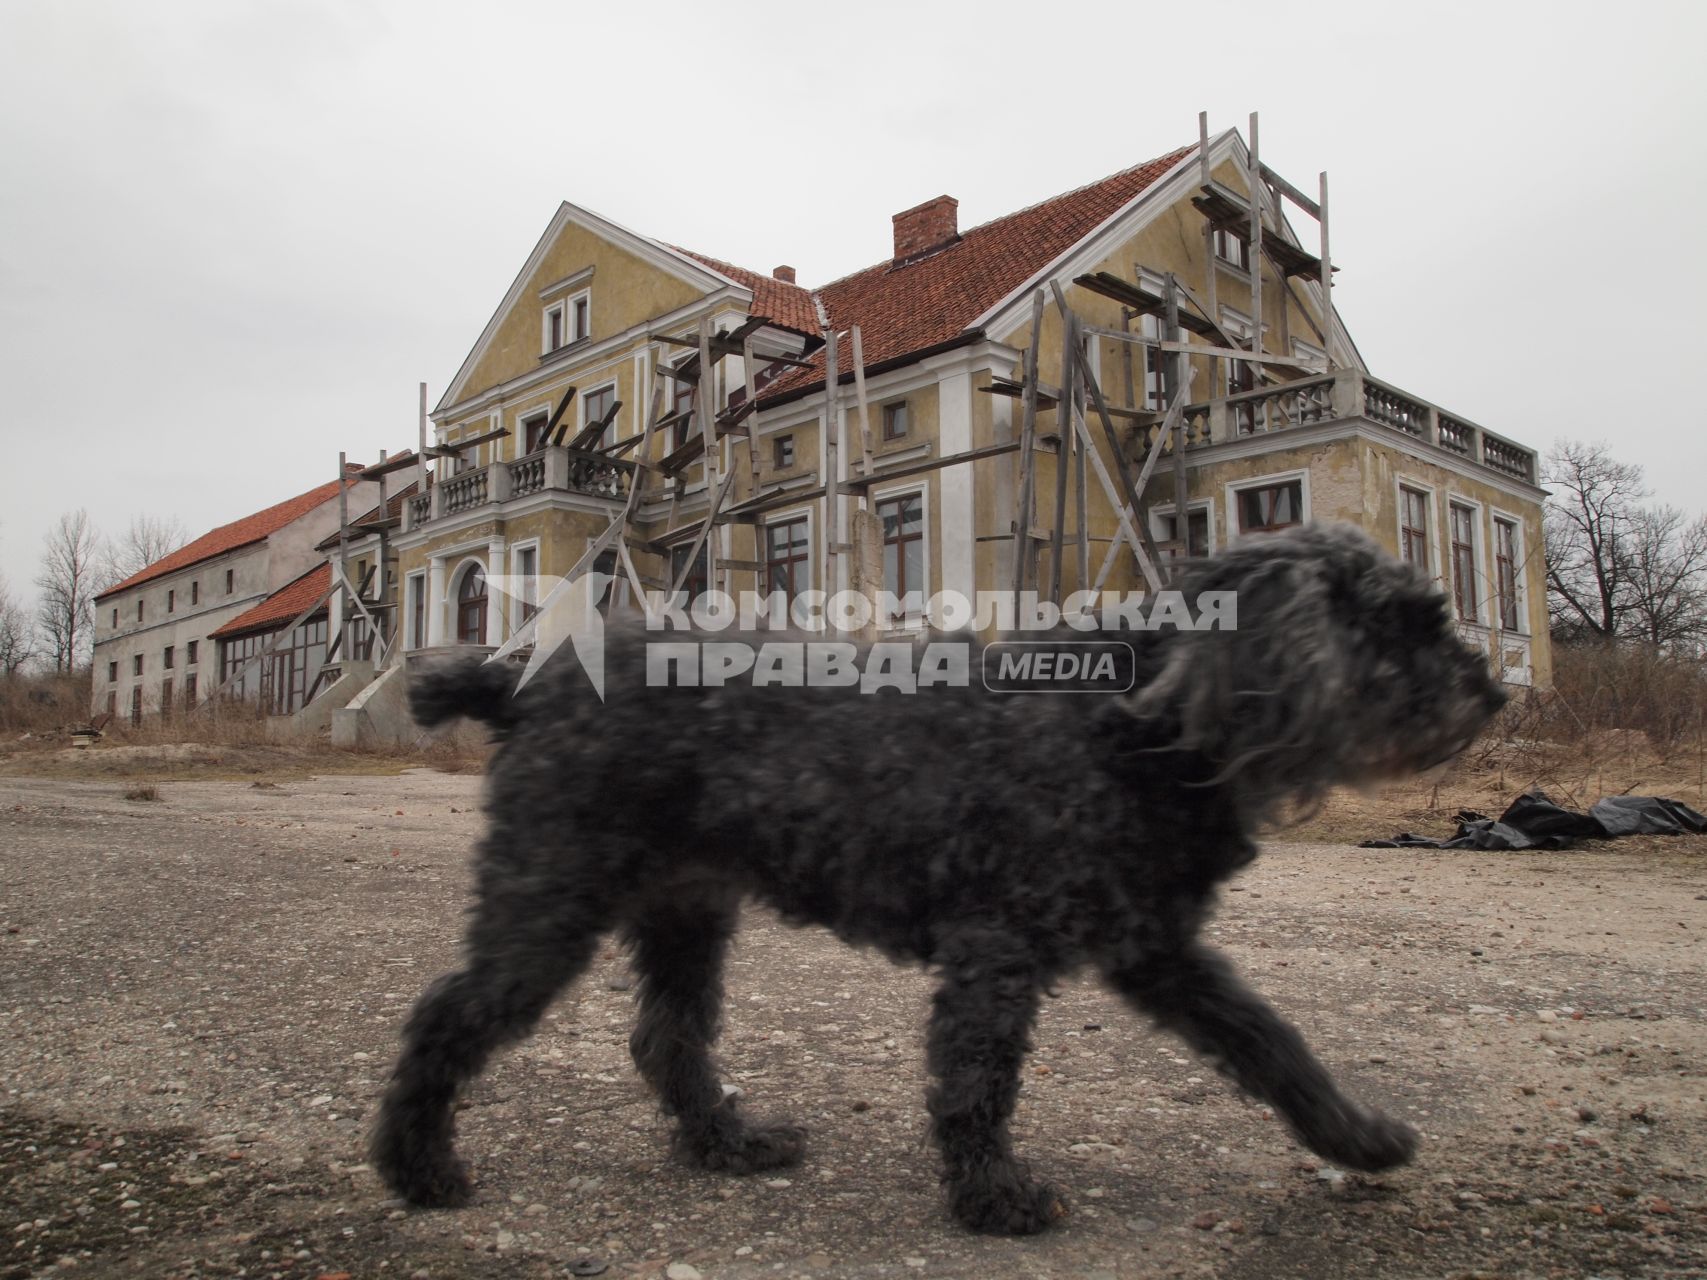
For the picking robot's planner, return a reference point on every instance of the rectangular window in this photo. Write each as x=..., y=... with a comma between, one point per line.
x=1505, y=572
x=136, y=665
x=230, y=581
x=903, y=520
x=599, y=405
x=1464, y=561
x=787, y=550
x=1197, y=531
x=417, y=587
x=1413, y=528
x=195, y=592
x=190, y=690
x=136, y=706
x=139, y=611
x=527, y=569
x=166, y=658
x=1155, y=379
x=1270, y=507
x=581, y=313
x=533, y=433
x=895, y=420
x=165, y=699
x=1232, y=249
x=190, y=656
x=171, y=601
x=694, y=585
x=681, y=403
x=782, y=451
x=115, y=619
x=556, y=327
x=112, y=703
x=112, y=672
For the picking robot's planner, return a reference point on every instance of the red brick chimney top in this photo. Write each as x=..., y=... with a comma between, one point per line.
x=925, y=228
x=785, y=274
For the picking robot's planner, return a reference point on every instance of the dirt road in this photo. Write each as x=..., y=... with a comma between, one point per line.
x=199, y=998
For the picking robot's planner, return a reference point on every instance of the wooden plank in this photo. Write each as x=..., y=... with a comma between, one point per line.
x=1064, y=415
x=1203, y=147
x=1327, y=277
x=832, y=514
x=705, y=401
x=1171, y=386
x=702, y=537
x=1028, y=435
x=885, y=474
x=1291, y=192
x=864, y=405
x=750, y=372
x=421, y=448
x=1254, y=178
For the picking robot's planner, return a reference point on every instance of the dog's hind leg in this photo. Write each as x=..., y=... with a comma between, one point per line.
x=980, y=1032
x=519, y=956
x=1196, y=994
x=678, y=949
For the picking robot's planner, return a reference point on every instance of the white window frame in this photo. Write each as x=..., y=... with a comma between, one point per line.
x=1235, y=487
x=786, y=517
x=1478, y=552
x=415, y=587
x=1165, y=511
x=528, y=594
x=585, y=419
x=1432, y=540
x=560, y=309
x=571, y=303
x=910, y=620
x=1520, y=554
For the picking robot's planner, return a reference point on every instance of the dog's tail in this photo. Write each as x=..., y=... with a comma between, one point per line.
x=480, y=690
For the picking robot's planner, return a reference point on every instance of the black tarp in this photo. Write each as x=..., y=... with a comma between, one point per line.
x=1535, y=822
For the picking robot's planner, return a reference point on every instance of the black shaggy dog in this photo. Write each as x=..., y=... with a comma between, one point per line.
x=1004, y=841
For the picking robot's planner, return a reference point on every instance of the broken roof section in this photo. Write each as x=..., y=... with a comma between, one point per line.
x=239, y=533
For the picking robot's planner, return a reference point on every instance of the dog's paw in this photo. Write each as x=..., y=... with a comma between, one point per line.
x=1368, y=1141
x=427, y=1175
x=1003, y=1202
x=747, y=1149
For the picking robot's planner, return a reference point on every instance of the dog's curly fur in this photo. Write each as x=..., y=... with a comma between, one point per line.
x=1004, y=841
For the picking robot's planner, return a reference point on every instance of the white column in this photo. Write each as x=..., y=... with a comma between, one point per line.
x=434, y=606
x=954, y=510
x=497, y=603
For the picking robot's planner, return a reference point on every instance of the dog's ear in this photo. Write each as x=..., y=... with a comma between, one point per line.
x=1261, y=700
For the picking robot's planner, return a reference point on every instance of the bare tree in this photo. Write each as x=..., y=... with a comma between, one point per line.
x=1617, y=569
x=71, y=565
x=1664, y=571
x=17, y=638
x=148, y=539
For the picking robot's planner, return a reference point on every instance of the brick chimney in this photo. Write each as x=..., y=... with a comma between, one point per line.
x=926, y=227
x=785, y=274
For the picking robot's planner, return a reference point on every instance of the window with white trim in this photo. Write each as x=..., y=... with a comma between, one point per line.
x=1505, y=574
x=1263, y=508
x=1463, y=521
x=903, y=517
x=1413, y=527
x=1164, y=526
x=597, y=405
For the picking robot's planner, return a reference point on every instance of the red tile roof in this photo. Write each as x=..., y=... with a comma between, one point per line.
x=924, y=304
x=283, y=605
x=782, y=303
x=229, y=537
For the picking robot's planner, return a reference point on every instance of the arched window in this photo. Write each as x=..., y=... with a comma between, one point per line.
x=471, y=607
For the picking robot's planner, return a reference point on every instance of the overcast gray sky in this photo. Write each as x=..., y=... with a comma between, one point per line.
x=234, y=235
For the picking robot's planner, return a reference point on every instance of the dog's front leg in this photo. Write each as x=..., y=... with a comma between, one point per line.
x=980, y=1032
x=1195, y=993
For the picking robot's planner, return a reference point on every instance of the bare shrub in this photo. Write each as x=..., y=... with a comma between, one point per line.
x=142, y=793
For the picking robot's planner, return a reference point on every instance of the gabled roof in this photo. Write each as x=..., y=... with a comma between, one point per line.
x=283, y=605
x=932, y=302
x=368, y=519
x=239, y=533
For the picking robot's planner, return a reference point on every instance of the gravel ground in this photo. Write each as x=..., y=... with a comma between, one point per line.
x=200, y=995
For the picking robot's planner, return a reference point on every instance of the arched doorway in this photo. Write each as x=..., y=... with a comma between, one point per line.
x=471, y=607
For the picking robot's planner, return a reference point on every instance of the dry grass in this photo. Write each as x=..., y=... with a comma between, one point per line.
x=1624, y=721
x=149, y=792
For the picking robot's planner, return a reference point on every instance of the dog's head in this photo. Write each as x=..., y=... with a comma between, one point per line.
x=1344, y=668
